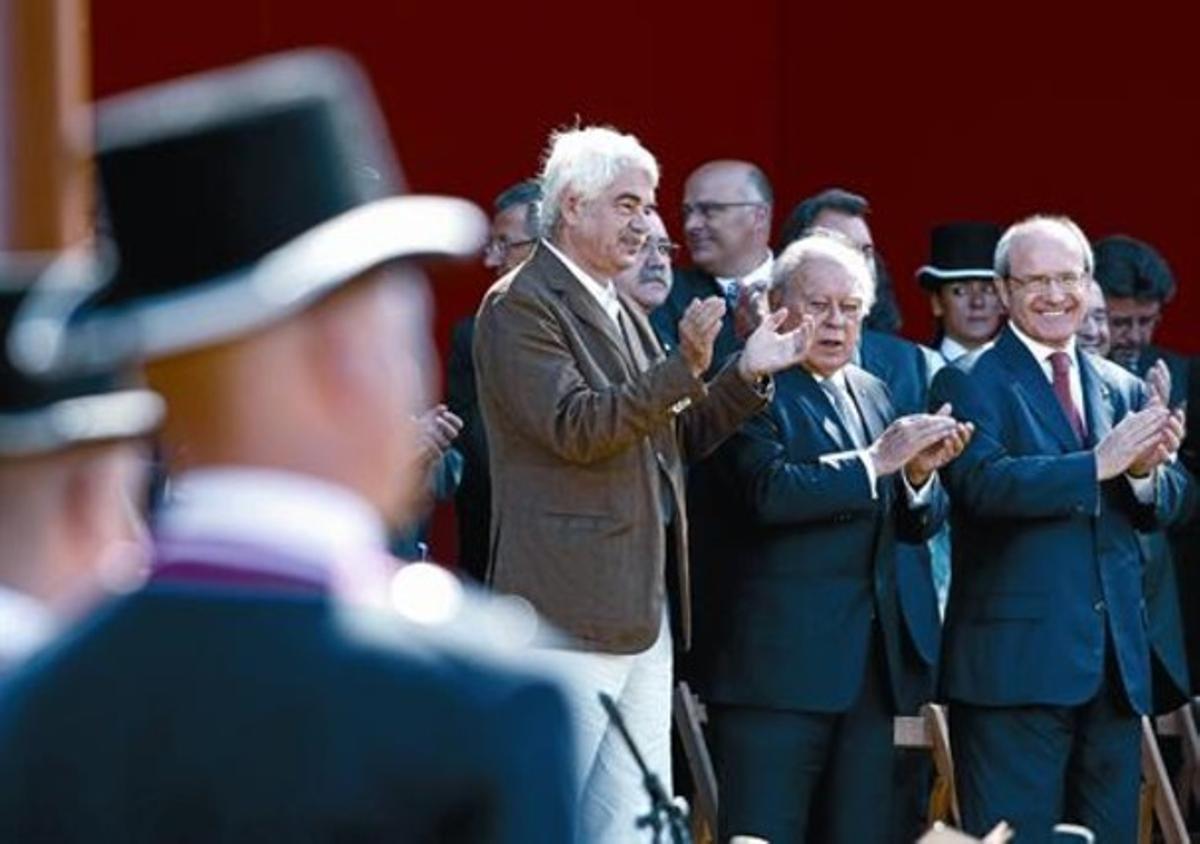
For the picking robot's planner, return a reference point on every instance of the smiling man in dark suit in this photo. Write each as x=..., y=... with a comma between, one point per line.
x=815, y=651
x=1045, y=658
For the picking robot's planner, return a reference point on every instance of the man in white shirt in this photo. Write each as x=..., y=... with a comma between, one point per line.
x=589, y=422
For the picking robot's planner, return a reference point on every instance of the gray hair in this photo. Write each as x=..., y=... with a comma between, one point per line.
x=1002, y=263
x=824, y=244
x=587, y=161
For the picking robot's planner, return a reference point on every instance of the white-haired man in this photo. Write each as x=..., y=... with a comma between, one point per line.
x=814, y=651
x=589, y=423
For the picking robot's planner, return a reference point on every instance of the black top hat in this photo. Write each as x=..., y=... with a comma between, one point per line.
x=39, y=416
x=235, y=198
x=958, y=251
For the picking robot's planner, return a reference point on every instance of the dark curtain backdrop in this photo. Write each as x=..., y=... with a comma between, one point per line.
x=934, y=112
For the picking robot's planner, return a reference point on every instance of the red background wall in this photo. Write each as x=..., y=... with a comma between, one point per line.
x=967, y=111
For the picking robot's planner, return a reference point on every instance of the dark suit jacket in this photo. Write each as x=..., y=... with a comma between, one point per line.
x=473, y=498
x=693, y=283
x=817, y=563
x=585, y=443
x=228, y=714
x=904, y=367
x=1046, y=558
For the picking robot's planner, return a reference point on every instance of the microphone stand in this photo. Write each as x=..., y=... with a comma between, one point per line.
x=663, y=811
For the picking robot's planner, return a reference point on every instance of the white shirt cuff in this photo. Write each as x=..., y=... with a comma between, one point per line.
x=869, y=465
x=919, y=497
x=1143, y=488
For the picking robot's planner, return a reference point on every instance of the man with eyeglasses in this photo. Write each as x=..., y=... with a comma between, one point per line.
x=961, y=287
x=648, y=281
x=813, y=655
x=514, y=232
x=1045, y=662
x=727, y=228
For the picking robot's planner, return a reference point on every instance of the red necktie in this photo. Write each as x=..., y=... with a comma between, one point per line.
x=1060, y=365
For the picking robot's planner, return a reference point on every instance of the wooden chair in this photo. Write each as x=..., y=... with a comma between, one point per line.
x=930, y=731
x=1181, y=724
x=690, y=716
x=927, y=731
x=1158, y=803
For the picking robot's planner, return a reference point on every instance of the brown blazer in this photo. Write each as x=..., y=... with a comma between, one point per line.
x=579, y=424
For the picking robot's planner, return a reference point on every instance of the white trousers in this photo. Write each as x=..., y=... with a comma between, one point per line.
x=611, y=796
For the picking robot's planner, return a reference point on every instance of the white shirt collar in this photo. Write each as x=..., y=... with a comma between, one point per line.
x=604, y=292
x=951, y=350
x=293, y=515
x=761, y=273
x=838, y=379
x=1041, y=352
x=25, y=624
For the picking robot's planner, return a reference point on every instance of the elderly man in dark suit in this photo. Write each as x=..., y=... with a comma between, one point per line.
x=256, y=689
x=589, y=424
x=1046, y=659
x=816, y=651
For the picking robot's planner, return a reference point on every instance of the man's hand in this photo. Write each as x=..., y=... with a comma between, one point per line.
x=1136, y=439
x=437, y=429
x=1164, y=449
x=698, y=328
x=1158, y=382
x=907, y=437
x=930, y=459
x=767, y=351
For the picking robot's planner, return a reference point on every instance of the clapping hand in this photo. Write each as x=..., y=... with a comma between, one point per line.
x=767, y=350
x=698, y=329
x=933, y=457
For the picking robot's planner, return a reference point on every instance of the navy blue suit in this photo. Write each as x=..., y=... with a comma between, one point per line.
x=904, y=367
x=230, y=714
x=1045, y=655
x=810, y=622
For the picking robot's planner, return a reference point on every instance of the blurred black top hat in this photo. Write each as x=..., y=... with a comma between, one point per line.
x=960, y=250
x=235, y=198
x=39, y=416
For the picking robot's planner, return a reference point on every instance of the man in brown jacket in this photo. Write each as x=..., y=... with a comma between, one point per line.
x=589, y=424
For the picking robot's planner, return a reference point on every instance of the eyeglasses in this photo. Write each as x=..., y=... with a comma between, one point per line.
x=501, y=246
x=664, y=248
x=1142, y=323
x=820, y=308
x=709, y=210
x=1041, y=283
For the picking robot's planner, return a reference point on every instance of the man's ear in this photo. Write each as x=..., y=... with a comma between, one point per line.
x=571, y=207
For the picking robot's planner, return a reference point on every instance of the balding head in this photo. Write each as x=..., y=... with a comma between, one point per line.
x=727, y=217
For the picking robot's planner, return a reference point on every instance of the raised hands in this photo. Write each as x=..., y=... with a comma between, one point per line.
x=1144, y=440
x=920, y=444
x=437, y=429
x=768, y=351
x=698, y=328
